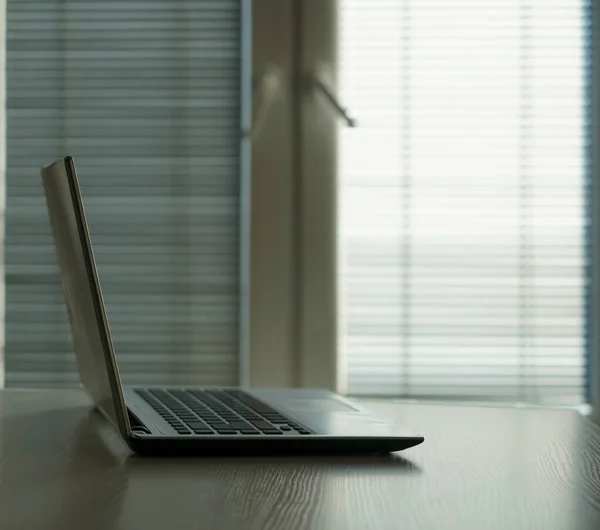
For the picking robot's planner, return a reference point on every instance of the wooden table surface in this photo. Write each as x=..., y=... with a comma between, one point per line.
x=63, y=467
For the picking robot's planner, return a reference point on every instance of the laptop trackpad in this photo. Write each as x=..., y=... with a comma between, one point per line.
x=323, y=404
x=325, y=412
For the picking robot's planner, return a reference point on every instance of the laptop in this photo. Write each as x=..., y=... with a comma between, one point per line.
x=193, y=421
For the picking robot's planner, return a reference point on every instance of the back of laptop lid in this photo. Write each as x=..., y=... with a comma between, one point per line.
x=89, y=327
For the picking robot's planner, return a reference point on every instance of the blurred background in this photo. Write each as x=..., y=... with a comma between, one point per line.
x=389, y=198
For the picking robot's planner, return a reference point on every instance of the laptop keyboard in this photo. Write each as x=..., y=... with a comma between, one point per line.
x=209, y=412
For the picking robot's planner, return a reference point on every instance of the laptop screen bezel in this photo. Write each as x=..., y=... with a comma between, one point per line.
x=109, y=361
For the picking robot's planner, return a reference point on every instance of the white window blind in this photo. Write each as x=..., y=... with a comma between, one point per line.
x=463, y=198
x=145, y=94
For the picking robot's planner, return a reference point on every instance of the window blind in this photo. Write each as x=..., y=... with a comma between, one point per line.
x=146, y=96
x=462, y=225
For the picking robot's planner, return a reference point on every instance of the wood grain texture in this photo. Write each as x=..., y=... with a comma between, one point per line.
x=63, y=467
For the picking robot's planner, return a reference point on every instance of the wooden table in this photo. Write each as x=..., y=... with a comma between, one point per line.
x=62, y=467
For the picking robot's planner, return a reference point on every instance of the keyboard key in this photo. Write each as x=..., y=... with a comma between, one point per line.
x=285, y=427
x=239, y=425
x=303, y=431
x=249, y=431
x=203, y=431
x=197, y=425
x=208, y=418
x=250, y=417
x=261, y=424
x=272, y=431
x=217, y=423
x=226, y=431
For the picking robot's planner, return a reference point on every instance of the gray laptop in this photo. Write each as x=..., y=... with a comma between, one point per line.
x=200, y=421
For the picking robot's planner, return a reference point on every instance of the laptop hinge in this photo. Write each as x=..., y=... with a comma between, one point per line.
x=136, y=424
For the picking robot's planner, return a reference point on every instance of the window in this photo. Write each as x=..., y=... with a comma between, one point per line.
x=146, y=96
x=463, y=198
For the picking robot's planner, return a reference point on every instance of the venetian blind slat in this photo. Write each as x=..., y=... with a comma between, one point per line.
x=463, y=198
x=146, y=96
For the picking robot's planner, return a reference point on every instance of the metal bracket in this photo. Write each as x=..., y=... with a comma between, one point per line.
x=318, y=82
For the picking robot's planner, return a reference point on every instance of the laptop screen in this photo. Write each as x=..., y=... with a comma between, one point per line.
x=89, y=328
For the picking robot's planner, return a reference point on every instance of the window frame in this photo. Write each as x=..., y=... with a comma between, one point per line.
x=2, y=181
x=272, y=304
x=593, y=203
x=293, y=308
